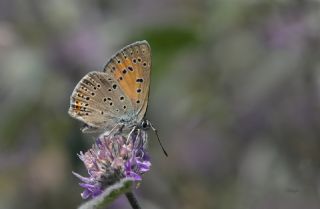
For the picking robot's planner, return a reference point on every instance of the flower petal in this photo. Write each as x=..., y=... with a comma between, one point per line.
x=84, y=179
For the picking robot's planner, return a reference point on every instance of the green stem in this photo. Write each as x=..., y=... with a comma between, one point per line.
x=132, y=200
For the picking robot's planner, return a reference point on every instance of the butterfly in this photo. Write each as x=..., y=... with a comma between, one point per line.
x=117, y=98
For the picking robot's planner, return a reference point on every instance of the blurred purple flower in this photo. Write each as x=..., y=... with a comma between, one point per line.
x=111, y=159
x=284, y=34
x=287, y=31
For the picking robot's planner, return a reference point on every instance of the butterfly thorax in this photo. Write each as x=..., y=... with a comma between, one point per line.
x=130, y=122
x=133, y=124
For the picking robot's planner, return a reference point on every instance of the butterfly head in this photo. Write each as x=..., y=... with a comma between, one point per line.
x=145, y=125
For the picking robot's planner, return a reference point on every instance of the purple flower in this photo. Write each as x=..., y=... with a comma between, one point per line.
x=112, y=158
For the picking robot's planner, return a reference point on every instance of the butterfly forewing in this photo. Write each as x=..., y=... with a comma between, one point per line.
x=131, y=68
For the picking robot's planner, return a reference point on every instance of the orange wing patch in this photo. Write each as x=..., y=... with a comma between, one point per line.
x=126, y=72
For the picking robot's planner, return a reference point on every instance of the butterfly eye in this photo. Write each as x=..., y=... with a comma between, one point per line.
x=145, y=124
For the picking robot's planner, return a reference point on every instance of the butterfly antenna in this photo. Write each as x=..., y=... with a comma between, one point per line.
x=156, y=132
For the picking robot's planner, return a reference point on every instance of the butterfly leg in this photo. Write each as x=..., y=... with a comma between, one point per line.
x=131, y=133
x=142, y=138
x=117, y=129
x=89, y=129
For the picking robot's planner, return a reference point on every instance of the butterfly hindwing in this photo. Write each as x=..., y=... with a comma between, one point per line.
x=98, y=101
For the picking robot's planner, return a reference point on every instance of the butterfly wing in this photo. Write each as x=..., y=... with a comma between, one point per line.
x=131, y=68
x=98, y=101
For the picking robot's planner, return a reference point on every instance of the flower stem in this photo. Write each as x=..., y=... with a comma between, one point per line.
x=132, y=200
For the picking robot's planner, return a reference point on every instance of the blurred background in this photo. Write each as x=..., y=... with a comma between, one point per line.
x=234, y=94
